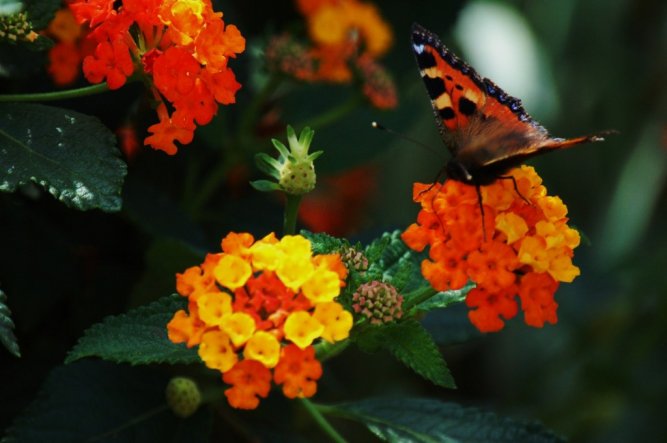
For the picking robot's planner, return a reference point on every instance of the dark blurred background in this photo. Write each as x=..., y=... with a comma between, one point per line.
x=579, y=66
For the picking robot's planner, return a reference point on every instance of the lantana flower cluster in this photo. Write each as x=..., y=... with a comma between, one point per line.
x=526, y=251
x=182, y=47
x=348, y=37
x=256, y=309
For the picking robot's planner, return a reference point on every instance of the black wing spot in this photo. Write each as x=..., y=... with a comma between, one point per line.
x=448, y=77
x=434, y=86
x=447, y=113
x=425, y=60
x=466, y=106
x=459, y=87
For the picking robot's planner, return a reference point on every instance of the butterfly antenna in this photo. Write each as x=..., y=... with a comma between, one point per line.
x=377, y=125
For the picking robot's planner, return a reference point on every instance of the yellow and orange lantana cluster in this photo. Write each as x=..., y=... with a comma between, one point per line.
x=183, y=48
x=256, y=308
x=526, y=251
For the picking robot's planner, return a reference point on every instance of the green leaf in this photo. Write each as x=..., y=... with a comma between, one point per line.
x=7, y=337
x=410, y=343
x=265, y=185
x=100, y=401
x=390, y=260
x=322, y=243
x=282, y=149
x=445, y=298
x=423, y=420
x=72, y=155
x=268, y=165
x=138, y=337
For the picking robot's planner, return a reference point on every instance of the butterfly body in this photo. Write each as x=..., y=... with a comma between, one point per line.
x=487, y=131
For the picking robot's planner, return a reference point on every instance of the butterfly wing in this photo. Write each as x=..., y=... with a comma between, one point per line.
x=483, y=127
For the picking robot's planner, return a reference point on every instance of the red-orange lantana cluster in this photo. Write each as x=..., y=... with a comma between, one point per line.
x=182, y=47
x=526, y=251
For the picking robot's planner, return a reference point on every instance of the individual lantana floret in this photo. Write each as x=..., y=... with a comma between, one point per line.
x=379, y=302
x=526, y=251
x=183, y=48
x=256, y=309
x=294, y=169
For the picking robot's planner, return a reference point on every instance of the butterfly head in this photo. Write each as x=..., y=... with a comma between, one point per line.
x=455, y=170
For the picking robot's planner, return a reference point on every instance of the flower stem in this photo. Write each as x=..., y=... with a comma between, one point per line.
x=291, y=212
x=326, y=350
x=55, y=95
x=418, y=296
x=322, y=421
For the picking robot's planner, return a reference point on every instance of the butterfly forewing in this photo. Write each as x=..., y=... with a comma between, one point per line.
x=485, y=129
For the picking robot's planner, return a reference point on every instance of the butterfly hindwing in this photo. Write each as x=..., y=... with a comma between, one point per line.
x=483, y=126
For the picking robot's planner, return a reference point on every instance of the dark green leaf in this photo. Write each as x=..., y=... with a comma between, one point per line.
x=322, y=243
x=7, y=337
x=265, y=185
x=101, y=401
x=445, y=298
x=422, y=420
x=138, y=337
x=71, y=155
x=391, y=261
x=409, y=342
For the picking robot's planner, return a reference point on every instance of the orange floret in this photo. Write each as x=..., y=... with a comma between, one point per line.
x=298, y=371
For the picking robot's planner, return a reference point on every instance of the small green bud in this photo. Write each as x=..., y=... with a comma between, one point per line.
x=379, y=302
x=294, y=168
x=183, y=396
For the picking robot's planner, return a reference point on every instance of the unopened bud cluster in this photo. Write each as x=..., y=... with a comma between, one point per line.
x=183, y=396
x=16, y=27
x=378, y=301
x=354, y=259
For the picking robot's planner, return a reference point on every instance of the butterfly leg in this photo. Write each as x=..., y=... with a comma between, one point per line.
x=438, y=176
x=516, y=187
x=481, y=209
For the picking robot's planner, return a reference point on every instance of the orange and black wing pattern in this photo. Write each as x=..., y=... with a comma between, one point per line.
x=482, y=126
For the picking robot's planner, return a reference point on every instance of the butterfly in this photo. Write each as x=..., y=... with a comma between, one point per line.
x=487, y=131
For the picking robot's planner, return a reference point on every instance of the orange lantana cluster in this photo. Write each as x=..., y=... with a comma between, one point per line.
x=526, y=251
x=182, y=46
x=256, y=308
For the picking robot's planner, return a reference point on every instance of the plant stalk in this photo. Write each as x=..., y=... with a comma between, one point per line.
x=322, y=421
